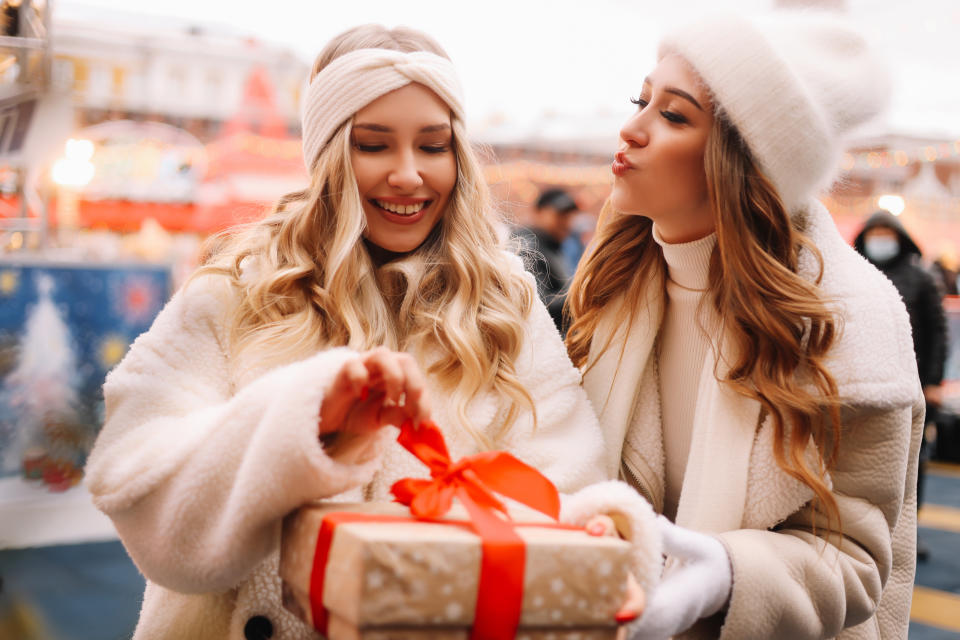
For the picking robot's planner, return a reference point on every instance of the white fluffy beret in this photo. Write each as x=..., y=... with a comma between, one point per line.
x=792, y=84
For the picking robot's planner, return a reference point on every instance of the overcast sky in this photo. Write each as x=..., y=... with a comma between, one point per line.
x=522, y=59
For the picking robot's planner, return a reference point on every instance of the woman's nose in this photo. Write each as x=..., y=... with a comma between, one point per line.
x=634, y=131
x=406, y=174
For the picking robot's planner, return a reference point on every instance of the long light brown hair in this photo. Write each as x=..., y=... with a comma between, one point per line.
x=781, y=326
x=307, y=281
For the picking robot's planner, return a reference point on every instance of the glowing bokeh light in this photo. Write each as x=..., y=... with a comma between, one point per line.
x=892, y=203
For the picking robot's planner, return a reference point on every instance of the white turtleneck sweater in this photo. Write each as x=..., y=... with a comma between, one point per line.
x=689, y=323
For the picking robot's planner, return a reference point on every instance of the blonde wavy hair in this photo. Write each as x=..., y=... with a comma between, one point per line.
x=781, y=326
x=306, y=281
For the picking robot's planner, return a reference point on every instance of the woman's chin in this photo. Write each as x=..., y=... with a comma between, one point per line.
x=626, y=208
x=623, y=203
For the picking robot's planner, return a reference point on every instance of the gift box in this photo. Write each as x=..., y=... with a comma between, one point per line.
x=458, y=562
x=395, y=577
x=343, y=631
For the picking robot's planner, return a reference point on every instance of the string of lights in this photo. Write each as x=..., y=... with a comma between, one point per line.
x=900, y=157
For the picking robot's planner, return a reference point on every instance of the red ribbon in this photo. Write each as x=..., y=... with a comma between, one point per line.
x=472, y=480
x=321, y=617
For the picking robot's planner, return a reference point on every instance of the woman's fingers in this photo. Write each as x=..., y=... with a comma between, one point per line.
x=601, y=525
x=394, y=416
x=416, y=401
x=347, y=387
x=636, y=601
x=399, y=376
x=377, y=388
x=423, y=410
x=357, y=376
x=384, y=366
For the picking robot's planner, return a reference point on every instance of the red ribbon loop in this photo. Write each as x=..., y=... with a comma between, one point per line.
x=473, y=480
x=481, y=474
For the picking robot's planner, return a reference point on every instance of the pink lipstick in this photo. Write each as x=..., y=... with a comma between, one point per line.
x=620, y=164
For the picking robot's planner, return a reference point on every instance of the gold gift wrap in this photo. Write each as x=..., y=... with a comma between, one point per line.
x=392, y=579
x=340, y=630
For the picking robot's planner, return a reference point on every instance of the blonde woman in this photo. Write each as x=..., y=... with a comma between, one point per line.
x=377, y=295
x=754, y=376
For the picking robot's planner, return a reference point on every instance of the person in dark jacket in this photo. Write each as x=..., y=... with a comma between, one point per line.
x=945, y=271
x=886, y=244
x=541, y=246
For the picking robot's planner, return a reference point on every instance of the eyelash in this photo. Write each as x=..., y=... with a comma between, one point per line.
x=671, y=116
x=374, y=148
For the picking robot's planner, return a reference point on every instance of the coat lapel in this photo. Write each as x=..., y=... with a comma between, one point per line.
x=772, y=495
x=613, y=378
x=732, y=479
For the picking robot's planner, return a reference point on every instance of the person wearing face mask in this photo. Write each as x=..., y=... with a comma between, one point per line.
x=380, y=294
x=753, y=375
x=884, y=241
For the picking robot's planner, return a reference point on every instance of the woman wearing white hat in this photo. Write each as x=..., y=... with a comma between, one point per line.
x=754, y=376
x=264, y=382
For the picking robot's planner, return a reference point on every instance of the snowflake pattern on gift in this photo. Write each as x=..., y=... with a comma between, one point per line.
x=405, y=566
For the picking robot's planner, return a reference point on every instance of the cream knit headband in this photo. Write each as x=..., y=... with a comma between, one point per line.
x=355, y=79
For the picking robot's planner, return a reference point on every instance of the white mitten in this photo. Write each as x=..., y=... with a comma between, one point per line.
x=697, y=584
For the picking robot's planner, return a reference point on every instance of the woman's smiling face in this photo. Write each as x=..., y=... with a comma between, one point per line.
x=659, y=171
x=404, y=162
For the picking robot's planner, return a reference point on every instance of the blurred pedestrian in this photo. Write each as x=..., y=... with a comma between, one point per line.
x=747, y=365
x=541, y=245
x=884, y=241
x=581, y=230
x=947, y=274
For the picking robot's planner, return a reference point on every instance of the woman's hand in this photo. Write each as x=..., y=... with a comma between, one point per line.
x=697, y=586
x=376, y=388
x=601, y=525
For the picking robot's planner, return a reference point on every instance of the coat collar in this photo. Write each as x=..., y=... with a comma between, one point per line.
x=872, y=316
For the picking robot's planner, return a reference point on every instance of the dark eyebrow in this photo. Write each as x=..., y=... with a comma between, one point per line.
x=678, y=92
x=384, y=129
x=684, y=94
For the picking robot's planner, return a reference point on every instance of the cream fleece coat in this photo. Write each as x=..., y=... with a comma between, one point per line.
x=787, y=582
x=197, y=465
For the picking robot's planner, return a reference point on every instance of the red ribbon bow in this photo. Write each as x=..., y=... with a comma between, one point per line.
x=473, y=480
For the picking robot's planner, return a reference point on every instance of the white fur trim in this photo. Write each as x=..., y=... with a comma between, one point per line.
x=635, y=521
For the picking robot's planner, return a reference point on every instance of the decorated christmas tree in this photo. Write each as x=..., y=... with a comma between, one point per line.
x=45, y=438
